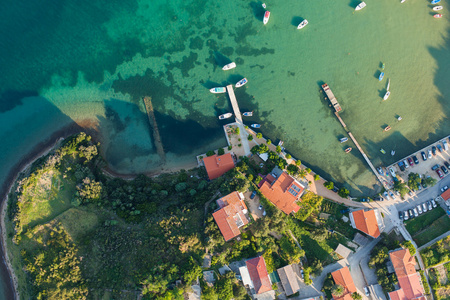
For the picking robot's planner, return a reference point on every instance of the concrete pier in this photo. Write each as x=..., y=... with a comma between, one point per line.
x=237, y=112
x=154, y=125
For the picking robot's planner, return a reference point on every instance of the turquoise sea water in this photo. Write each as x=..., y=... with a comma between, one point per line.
x=62, y=61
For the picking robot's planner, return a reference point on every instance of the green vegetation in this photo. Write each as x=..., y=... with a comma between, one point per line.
x=356, y=296
x=250, y=137
x=269, y=142
x=426, y=287
x=210, y=153
x=288, y=156
x=226, y=287
x=316, y=177
x=408, y=245
x=414, y=181
x=220, y=151
x=436, y=253
x=428, y=226
x=329, y=185
x=278, y=149
x=343, y=192
x=401, y=188
x=298, y=162
x=430, y=181
x=259, y=135
x=337, y=290
x=310, y=202
x=292, y=169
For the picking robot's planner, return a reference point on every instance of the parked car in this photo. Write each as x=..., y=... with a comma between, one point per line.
x=447, y=164
x=366, y=291
x=420, y=186
x=444, y=188
x=416, y=161
x=335, y=189
x=378, y=199
x=253, y=195
x=435, y=167
x=391, y=194
x=302, y=273
x=410, y=161
x=385, y=194
x=444, y=169
x=401, y=165
x=433, y=203
x=405, y=215
x=264, y=213
x=416, y=213
x=433, y=150
x=411, y=213
x=424, y=207
x=430, y=153
x=419, y=209
x=397, y=193
x=400, y=215
x=392, y=172
x=424, y=157
x=260, y=207
x=406, y=164
x=410, y=193
x=424, y=184
x=430, y=207
x=439, y=147
x=439, y=172
x=445, y=144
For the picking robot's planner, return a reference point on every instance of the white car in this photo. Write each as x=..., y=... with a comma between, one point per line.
x=419, y=208
x=444, y=188
x=433, y=203
x=392, y=172
x=430, y=155
x=366, y=291
x=406, y=164
x=260, y=207
x=424, y=207
x=416, y=214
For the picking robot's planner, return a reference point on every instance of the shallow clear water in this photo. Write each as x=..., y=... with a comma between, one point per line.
x=63, y=61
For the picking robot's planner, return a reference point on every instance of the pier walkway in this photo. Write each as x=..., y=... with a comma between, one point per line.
x=237, y=113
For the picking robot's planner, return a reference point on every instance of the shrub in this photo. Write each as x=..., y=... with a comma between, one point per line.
x=278, y=149
x=298, y=162
x=237, y=131
x=292, y=169
x=343, y=192
x=250, y=137
x=230, y=147
x=210, y=153
x=288, y=156
x=316, y=177
x=308, y=170
x=221, y=151
x=410, y=247
x=269, y=142
x=250, y=177
x=259, y=135
x=258, y=179
x=329, y=185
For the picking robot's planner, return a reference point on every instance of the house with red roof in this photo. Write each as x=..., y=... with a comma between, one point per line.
x=254, y=275
x=283, y=191
x=343, y=278
x=446, y=195
x=408, y=278
x=231, y=215
x=216, y=165
x=368, y=221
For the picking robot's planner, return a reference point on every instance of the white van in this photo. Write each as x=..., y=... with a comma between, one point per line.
x=445, y=145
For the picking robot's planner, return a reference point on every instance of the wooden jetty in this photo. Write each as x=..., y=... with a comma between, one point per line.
x=154, y=125
x=237, y=112
x=331, y=97
x=340, y=119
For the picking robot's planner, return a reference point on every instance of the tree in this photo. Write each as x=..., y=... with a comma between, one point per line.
x=269, y=142
x=308, y=170
x=259, y=135
x=343, y=192
x=401, y=188
x=337, y=290
x=90, y=190
x=298, y=162
x=258, y=179
x=410, y=247
x=329, y=185
x=250, y=137
x=413, y=181
x=221, y=151
x=278, y=149
x=430, y=181
x=302, y=173
x=356, y=296
x=250, y=177
x=288, y=156
x=292, y=169
x=316, y=177
x=237, y=131
x=210, y=153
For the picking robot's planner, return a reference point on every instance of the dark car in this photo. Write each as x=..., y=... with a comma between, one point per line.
x=439, y=147
x=435, y=167
x=439, y=172
x=424, y=183
x=416, y=161
x=433, y=150
x=344, y=211
x=335, y=189
x=401, y=165
x=424, y=157
x=444, y=169
x=253, y=195
x=400, y=215
x=410, y=161
x=411, y=213
x=447, y=164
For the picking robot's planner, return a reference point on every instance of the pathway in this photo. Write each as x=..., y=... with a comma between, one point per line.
x=237, y=113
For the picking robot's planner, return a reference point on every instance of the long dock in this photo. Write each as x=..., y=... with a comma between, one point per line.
x=237, y=112
x=154, y=125
x=331, y=97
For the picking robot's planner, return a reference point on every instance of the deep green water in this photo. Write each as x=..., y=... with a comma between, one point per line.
x=64, y=60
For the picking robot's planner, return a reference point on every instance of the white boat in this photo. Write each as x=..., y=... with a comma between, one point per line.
x=302, y=24
x=241, y=82
x=389, y=83
x=386, y=96
x=225, y=116
x=255, y=126
x=229, y=66
x=392, y=152
x=436, y=8
x=218, y=90
x=266, y=17
x=248, y=114
x=361, y=6
x=264, y=5
x=402, y=1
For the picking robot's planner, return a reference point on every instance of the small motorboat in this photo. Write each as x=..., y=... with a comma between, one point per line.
x=388, y=85
x=380, y=170
x=343, y=140
x=302, y=24
x=264, y=5
x=402, y=1
x=437, y=16
x=266, y=17
x=256, y=125
x=362, y=5
x=218, y=90
x=280, y=143
x=248, y=114
x=436, y=8
x=381, y=76
x=392, y=152
x=382, y=151
x=387, y=128
x=229, y=66
x=241, y=82
x=348, y=149
x=435, y=1
x=225, y=116
x=399, y=118
x=386, y=96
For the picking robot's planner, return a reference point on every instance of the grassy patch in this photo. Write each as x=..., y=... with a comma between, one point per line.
x=438, y=227
x=417, y=224
x=77, y=222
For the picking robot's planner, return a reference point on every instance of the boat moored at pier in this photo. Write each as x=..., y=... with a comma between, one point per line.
x=256, y=125
x=241, y=82
x=225, y=116
x=218, y=90
x=248, y=114
x=229, y=66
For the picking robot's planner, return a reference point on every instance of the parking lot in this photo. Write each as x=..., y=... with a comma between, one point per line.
x=253, y=205
x=424, y=168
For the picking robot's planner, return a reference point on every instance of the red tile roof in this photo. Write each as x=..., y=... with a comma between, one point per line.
x=216, y=166
x=343, y=278
x=231, y=215
x=408, y=278
x=366, y=221
x=283, y=192
x=258, y=274
x=446, y=195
